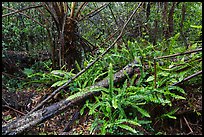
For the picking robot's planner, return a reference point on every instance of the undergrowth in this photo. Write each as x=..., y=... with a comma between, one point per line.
x=122, y=110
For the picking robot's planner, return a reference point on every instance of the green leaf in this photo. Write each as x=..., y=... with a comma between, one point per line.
x=176, y=36
x=78, y=94
x=164, y=74
x=62, y=73
x=121, y=111
x=126, y=127
x=98, y=89
x=77, y=65
x=110, y=74
x=99, y=76
x=169, y=114
x=142, y=111
x=178, y=97
x=114, y=103
x=82, y=110
x=103, y=128
x=93, y=108
x=181, y=78
x=133, y=79
x=177, y=89
x=172, y=117
x=171, y=66
x=151, y=78
x=197, y=27
x=27, y=71
x=108, y=109
x=58, y=72
x=59, y=83
x=173, y=80
x=174, y=95
x=144, y=122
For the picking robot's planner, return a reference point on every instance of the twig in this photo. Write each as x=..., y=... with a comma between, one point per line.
x=189, y=77
x=181, y=125
x=26, y=16
x=94, y=12
x=43, y=14
x=9, y=75
x=177, y=54
x=188, y=125
x=91, y=64
x=185, y=62
x=14, y=109
x=110, y=37
x=71, y=122
x=155, y=74
x=80, y=7
x=113, y=15
x=72, y=9
x=16, y=11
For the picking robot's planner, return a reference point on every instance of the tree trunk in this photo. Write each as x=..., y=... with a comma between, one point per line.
x=171, y=20
x=164, y=18
x=183, y=12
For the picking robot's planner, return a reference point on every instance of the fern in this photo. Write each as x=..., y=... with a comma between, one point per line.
x=177, y=89
x=110, y=74
x=170, y=114
x=126, y=127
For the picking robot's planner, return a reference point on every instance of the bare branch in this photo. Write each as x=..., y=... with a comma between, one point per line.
x=26, y=16
x=113, y=15
x=178, y=54
x=72, y=9
x=80, y=7
x=46, y=20
x=17, y=11
x=188, y=78
x=94, y=12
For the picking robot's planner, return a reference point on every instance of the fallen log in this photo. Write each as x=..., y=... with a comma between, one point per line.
x=19, y=125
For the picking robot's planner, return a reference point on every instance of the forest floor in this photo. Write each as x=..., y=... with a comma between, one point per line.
x=188, y=122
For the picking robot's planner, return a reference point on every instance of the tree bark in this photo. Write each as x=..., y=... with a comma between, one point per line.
x=19, y=125
x=171, y=20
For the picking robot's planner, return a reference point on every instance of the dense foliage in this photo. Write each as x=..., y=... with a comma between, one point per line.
x=157, y=29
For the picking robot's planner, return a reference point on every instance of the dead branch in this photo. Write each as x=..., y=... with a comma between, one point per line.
x=25, y=16
x=14, y=109
x=29, y=120
x=191, y=131
x=90, y=65
x=16, y=11
x=94, y=12
x=178, y=54
x=189, y=77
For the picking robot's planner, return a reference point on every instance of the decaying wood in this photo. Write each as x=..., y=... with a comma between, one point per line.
x=19, y=125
